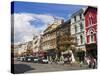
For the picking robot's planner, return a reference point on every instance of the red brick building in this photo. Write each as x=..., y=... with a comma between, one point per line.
x=91, y=30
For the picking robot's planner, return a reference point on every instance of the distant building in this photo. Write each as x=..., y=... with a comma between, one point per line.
x=14, y=50
x=36, y=43
x=29, y=48
x=78, y=28
x=22, y=48
x=91, y=30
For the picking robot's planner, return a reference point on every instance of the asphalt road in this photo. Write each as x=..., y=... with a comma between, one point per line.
x=27, y=67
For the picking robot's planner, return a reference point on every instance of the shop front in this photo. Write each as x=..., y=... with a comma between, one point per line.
x=91, y=50
x=51, y=54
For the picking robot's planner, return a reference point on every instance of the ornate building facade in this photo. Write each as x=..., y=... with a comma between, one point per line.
x=91, y=30
x=78, y=28
x=49, y=38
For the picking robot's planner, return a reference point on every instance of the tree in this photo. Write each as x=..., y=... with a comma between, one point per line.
x=80, y=55
x=65, y=42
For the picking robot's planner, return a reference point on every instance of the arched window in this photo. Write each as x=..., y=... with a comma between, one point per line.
x=90, y=20
x=92, y=37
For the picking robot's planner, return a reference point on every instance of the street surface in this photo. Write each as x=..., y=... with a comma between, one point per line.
x=29, y=67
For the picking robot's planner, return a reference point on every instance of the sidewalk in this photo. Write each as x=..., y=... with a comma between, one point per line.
x=75, y=64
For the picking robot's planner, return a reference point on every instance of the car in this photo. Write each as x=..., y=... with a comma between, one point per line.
x=35, y=59
x=18, y=59
x=45, y=60
x=29, y=59
x=22, y=59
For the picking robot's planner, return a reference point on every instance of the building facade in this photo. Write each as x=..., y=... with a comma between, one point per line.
x=14, y=51
x=91, y=30
x=36, y=43
x=64, y=36
x=49, y=39
x=22, y=49
x=78, y=28
x=64, y=39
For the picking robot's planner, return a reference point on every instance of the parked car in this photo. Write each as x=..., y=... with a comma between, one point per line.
x=45, y=60
x=22, y=59
x=18, y=59
x=29, y=59
x=35, y=59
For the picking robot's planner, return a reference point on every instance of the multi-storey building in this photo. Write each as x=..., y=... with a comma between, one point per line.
x=22, y=49
x=49, y=38
x=91, y=30
x=14, y=50
x=36, y=43
x=78, y=28
x=63, y=37
x=63, y=32
x=37, y=46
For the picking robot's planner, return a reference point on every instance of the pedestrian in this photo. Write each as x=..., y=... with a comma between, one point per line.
x=81, y=63
x=95, y=62
x=92, y=62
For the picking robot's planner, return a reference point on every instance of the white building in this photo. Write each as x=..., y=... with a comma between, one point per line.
x=36, y=43
x=22, y=48
x=78, y=28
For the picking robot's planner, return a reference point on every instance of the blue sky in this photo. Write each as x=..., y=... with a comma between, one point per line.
x=60, y=10
x=32, y=18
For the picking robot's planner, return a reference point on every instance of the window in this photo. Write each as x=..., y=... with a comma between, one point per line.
x=74, y=18
x=76, y=39
x=35, y=41
x=81, y=39
x=80, y=16
x=90, y=20
x=92, y=39
x=75, y=28
x=81, y=26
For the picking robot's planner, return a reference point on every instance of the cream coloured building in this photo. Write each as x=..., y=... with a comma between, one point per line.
x=22, y=48
x=49, y=37
x=36, y=43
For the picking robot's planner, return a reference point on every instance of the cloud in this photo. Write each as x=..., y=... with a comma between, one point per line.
x=24, y=30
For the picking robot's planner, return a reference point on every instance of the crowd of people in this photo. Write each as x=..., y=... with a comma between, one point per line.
x=90, y=61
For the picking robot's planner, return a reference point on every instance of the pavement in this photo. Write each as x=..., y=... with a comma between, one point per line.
x=29, y=67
